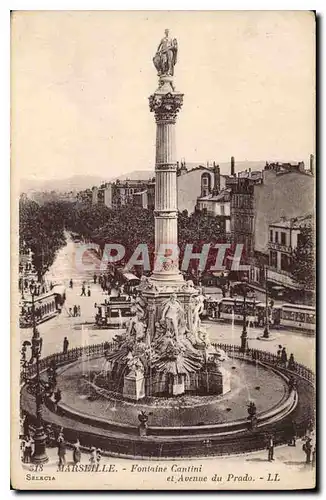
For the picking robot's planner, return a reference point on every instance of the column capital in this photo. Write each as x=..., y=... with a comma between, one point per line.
x=165, y=106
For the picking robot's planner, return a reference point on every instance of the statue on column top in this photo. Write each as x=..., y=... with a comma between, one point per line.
x=166, y=55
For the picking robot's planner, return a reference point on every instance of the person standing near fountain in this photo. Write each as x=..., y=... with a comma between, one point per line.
x=65, y=345
x=270, y=448
x=76, y=453
x=61, y=450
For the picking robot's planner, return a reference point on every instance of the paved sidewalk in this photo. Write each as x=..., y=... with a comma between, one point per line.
x=288, y=456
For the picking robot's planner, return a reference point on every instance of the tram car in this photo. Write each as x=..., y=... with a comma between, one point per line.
x=114, y=313
x=46, y=306
x=130, y=282
x=127, y=280
x=299, y=316
x=231, y=309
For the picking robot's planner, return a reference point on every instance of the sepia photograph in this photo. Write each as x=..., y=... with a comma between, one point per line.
x=163, y=286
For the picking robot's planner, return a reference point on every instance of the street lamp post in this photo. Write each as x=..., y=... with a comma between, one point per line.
x=266, y=329
x=39, y=456
x=244, y=335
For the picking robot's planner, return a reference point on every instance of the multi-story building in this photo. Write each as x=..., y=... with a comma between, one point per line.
x=120, y=193
x=284, y=236
x=195, y=180
x=287, y=192
x=214, y=200
x=242, y=215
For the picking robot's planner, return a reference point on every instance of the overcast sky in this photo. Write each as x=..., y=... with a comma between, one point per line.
x=81, y=81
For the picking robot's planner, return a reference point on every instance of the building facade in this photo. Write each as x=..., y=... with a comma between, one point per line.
x=284, y=236
x=242, y=215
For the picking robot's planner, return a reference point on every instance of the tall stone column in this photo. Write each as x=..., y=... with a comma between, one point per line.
x=166, y=103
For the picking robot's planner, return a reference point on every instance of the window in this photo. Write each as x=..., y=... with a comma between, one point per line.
x=205, y=184
x=273, y=259
x=271, y=235
x=283, y=238
x=285, y=262
x=222, y=210
x=276, y=236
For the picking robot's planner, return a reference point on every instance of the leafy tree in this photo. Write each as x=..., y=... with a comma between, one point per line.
x=41, y=228
x=303, y=259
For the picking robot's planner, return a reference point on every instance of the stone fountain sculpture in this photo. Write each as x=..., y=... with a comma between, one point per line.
x=165, y=348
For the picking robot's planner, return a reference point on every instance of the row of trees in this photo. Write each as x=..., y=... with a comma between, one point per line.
x=42, y=229
x=131, y=226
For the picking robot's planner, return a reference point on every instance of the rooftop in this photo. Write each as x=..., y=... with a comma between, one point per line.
x=294, y=222
x=222, y=196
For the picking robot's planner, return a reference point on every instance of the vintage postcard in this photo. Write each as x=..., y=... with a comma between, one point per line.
x=163, y=250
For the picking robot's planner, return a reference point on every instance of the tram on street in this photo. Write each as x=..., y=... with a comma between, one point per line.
x=114, y=313
x=232, y=308
x=128, y=280
x=299, y=316
x=46, y=306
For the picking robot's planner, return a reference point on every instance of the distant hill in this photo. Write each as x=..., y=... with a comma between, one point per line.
x=81, y=182
x=76, y=182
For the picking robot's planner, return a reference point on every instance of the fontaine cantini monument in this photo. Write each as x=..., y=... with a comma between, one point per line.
x=163, y=368
x=166, y=348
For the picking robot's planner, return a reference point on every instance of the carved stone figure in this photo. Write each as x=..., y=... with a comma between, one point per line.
x=171, y=312
x=136, y=327
x=197, y=307
x=135, y=365
x=166, y=55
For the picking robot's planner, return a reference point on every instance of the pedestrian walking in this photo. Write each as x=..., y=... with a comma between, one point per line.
x=76, y=455
x=88, y=291
x=57, y=398
x=284, y=357
x=270, y=448
x=98, y=455
x=93, y=457
x=95, y=279
x=78, y=311
x=27, y=449
x=307, y=448
x=291, y=363
x=26, y=425
x=279, y=355
x=65, y=345
x=71, y=284
x=70, y=311
x=313, y=461
x=61, y=450
x=83, y=292
x=292, y=433
x=75, y=311
x=50, y=437
x=251, y=322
